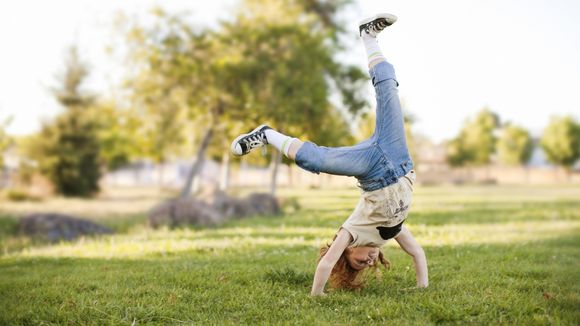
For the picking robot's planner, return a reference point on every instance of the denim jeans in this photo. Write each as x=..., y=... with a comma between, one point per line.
x=378, y=161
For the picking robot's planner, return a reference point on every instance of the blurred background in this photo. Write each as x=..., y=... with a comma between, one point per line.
x=101, y=94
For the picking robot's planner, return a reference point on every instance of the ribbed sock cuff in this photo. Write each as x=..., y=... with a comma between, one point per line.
x=374, y=54
x=286, y=146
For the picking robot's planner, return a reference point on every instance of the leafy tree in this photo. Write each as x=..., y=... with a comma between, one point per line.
x=476, y=142
x=68, y=149
x=177, y=81
x=457, y=154
x=288, y=69
x=276, y=68
x=117, y=132
x=156, y=58
x=561, y=141
x=514, y=146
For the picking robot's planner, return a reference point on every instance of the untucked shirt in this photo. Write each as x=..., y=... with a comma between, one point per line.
x=379, y=212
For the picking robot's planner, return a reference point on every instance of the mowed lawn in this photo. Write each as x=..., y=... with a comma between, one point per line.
x=496, y=254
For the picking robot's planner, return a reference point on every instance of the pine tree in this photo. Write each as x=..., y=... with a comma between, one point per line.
x=69, y=149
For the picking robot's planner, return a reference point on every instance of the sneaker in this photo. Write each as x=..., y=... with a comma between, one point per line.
x=245, y=143
x=375, y=24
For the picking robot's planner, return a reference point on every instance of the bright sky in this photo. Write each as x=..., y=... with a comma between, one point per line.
x=519, y=57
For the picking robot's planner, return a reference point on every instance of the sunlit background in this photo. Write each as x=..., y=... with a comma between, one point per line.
x=520, y=58
x=488, y=88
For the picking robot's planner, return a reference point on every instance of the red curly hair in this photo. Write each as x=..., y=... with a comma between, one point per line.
x=344, y=276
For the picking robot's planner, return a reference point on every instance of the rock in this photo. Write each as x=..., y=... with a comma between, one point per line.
x=212, y=210
x=231, y=207
x=177, y=212
x=55, y=227
x=254, y=204
x=264, y=204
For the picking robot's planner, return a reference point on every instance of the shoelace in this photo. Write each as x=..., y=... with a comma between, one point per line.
x=255, y=140
x=377, y=27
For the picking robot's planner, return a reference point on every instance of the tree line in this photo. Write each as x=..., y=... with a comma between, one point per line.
x=484, y=136
x=188, y=91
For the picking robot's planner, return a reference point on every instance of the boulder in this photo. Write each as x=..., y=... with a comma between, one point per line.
x=179, y=211
x=231, y=207
x=263, y=204
x=56, y=227
x=212, y=209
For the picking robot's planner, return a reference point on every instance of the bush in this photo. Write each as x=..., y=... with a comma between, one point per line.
x=20, y=195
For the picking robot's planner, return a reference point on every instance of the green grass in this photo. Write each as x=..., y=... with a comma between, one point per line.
x=497, y=255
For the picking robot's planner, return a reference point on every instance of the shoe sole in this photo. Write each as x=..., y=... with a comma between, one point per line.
x=390, y=18
x=233, y=145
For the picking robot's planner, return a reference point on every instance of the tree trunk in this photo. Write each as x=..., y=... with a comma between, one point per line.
x=225, y=171
x=196, y=184
x=198, y=164
x=276, y=159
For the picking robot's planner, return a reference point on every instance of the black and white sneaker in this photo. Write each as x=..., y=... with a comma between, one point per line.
x=375, y=24
x=243, y=144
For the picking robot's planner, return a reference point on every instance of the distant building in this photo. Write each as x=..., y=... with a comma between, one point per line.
x=11, y=163
x=171, y=174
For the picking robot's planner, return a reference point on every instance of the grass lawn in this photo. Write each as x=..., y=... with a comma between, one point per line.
x=497, y=255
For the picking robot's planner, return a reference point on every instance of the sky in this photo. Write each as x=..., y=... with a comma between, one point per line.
x=452, y=57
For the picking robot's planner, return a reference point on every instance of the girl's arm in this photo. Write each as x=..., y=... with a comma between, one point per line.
x=413, y=248
x=327, y=262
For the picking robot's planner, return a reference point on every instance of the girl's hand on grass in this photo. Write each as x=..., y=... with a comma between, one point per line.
x=422, y=285
x=318, y=294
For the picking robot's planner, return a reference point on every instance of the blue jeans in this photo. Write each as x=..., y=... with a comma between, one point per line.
x=378, y=161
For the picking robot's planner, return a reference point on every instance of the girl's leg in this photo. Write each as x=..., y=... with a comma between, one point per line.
x=359, y=160
x=351, y=160
x=369, y=28
x=264, y=135
x=389, y=129
x=374, y=53
x=287, y=145
x=294, y=148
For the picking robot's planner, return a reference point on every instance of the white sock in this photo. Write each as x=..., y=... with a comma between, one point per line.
x=374, y=54
x=278, y=140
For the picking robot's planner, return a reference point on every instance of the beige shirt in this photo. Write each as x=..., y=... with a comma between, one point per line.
x=385, y=207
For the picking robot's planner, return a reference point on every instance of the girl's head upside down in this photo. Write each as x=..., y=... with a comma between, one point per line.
x=349, y=268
